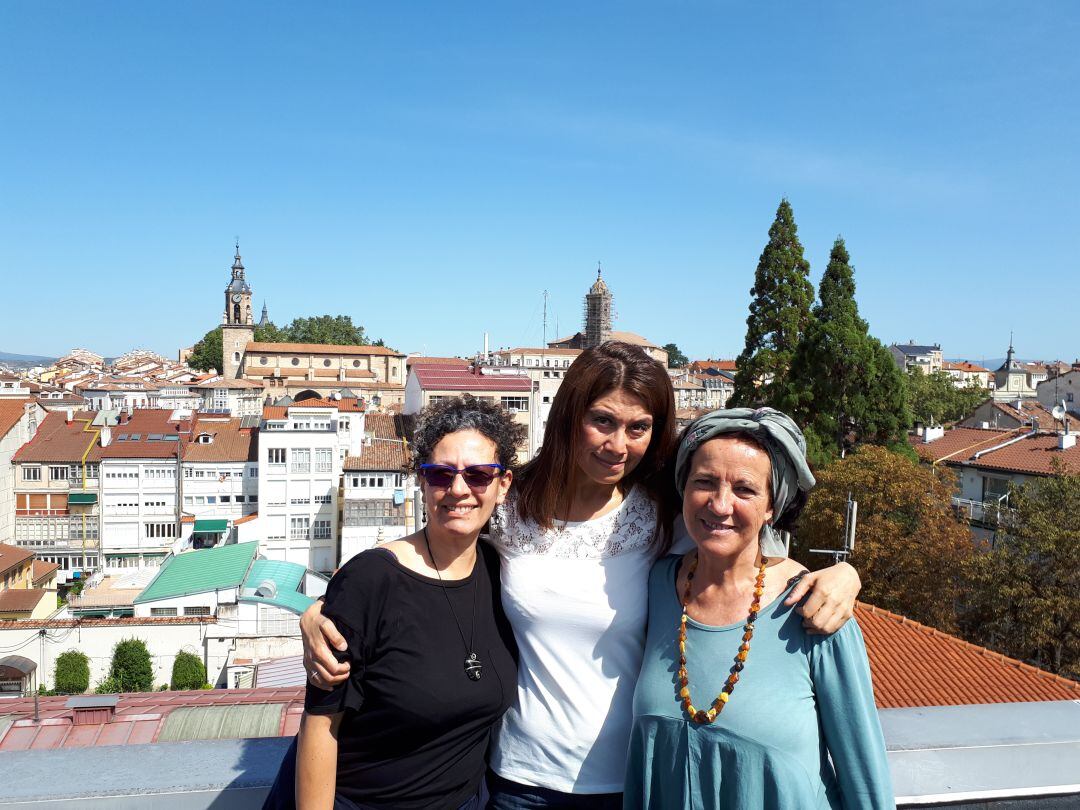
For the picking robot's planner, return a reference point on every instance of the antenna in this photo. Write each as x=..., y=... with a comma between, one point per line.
x=1062, y=415
x=544, y=344
x=851, y=517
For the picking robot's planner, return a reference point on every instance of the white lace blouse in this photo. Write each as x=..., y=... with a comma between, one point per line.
x=576, y=597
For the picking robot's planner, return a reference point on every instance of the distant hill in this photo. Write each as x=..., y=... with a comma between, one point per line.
x=27, y=360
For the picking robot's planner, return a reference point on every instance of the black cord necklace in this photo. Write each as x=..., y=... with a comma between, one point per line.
x=473, y=667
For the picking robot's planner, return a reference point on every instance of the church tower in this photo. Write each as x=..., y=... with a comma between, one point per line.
x=597, y=313
x=237, y=324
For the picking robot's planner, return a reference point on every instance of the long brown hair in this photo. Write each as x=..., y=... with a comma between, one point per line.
x=544, y=484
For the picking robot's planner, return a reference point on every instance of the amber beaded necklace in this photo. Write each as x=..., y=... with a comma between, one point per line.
x=683, y=682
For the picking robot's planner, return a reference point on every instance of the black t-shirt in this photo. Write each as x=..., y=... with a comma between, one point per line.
x=415, y=728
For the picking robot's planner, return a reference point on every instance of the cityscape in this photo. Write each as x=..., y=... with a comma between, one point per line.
x=199, y=431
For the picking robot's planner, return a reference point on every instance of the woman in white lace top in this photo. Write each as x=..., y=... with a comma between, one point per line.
x=585, y=521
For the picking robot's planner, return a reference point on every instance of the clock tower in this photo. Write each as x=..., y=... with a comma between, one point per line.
x=237, y=324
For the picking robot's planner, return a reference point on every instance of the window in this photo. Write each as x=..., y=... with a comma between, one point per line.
x=373, y=513
x=163, y=611
x=322, y=499
x=158, y=530
x=253, y=498
x=323, y=459
x=515, y=404
x=298, y=528
x=188, y=472
x=322, y=529
x=197, y=610
x=238, y=498
x=31, y=474
x=93, y=470
x=58, y=473
x=253, y=471
x=211, y=499
x=301, y=460
x=300, y=501
x=276, y=455
x=225, y=499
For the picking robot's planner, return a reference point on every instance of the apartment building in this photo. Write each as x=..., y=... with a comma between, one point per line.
x=220, y=485
x=546, y=368
x=19, y=420
x=302, y=448
x=234, y=397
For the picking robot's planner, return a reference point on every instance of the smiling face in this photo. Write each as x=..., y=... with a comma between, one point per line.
x=727, y=497
x=613, y=437
x=458, y=509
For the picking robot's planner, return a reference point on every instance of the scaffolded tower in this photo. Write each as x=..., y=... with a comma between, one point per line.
x=598, y=303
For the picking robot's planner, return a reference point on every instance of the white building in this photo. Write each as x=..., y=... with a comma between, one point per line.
x=140, y=485
x=118, y=394
x=236, y=397
x=302, y=447
x=19, y=421
x=221, y=479
x=378, y=488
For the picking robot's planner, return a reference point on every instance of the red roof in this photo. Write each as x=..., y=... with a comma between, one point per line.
x=23, y=600
x=11, y=411
x=916, y=665
x=1031, y=454
x=230, y=442
x=43, y=570
x=139, y=717
x=963, y=365
x=452, y=378
x=57, y=440
x=719, y=365
x=316, y=348
x=13, y=557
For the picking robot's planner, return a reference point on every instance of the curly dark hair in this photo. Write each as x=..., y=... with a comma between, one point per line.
x=467, y=413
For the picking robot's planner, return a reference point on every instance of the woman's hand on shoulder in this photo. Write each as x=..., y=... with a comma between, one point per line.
x=831, y=601
x=323, y=669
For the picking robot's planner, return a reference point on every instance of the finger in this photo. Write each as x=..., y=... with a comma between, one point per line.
x=333, y=637
x=799, y=591
x=815, y=601
x=323, y=677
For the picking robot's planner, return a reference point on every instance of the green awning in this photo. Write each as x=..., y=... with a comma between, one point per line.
x=82, y=498
x=211, y=526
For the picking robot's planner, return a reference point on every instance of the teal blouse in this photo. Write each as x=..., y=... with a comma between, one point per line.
x=800, y=699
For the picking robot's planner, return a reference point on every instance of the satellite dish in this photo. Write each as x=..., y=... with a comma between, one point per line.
x=1058, y=412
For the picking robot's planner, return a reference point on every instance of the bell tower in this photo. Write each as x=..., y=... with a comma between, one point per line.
x=237, y=323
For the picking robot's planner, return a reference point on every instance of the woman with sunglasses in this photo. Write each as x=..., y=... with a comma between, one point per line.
x=431, y=654
x=585, y=521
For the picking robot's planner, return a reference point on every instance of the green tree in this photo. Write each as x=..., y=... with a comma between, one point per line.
x=910, y=549
x=188, y=672
x=1023, y=598
x=131, y=669
x=675, y=358
x=336, y=329
x=206, y=354
x=72, y=672
x=934, y=397
x=779, y=312
x=843, y=386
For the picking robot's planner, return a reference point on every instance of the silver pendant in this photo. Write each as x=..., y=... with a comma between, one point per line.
x=473, y=667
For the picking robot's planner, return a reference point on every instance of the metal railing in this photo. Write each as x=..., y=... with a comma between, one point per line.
x=990, y=514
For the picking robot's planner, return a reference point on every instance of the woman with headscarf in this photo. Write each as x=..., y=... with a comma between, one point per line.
x=737, y=706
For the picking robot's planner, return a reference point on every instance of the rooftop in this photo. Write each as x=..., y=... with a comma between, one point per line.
x=200, y=571
x=1033, y=453
x=317, y=348
x=230, y=441
x=11, y=411
x=465, y=379
x=13, y=557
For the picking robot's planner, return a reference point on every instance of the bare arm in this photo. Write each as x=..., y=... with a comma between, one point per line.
x=323, y=669
x=316, y=761
x=831, y=602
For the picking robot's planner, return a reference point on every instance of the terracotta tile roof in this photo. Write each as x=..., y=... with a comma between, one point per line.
x=56, y=440
x=145, y=422
x=22, y=600
x=230, y=443
x=916, y=665
x=634, y=339
x=11, y=411
x=275, y=411
x=390, y=425
x=379, y=455
x=245, y=519
x=718, y=365
x=42, y=570
x=344, y=405
x=1028, y=408
x=238, y=383
x=115, y=621
x=1032, y=454
x=452, y=378
x=538, y=350
x=12, y=557
x=317, y=348
x=438, y=361
x=138, y=719
x=963, y=365
x=960, y=443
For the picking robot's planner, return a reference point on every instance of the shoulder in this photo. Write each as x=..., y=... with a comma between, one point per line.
x=664, y=569
x=364, y=579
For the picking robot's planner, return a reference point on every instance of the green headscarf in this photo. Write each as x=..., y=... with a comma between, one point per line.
x=781, y=439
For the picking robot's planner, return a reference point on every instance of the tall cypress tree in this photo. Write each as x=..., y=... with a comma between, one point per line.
x=843, y=386
x=779, y=312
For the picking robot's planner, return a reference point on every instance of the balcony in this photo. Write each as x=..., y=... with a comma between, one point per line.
x=984, y=514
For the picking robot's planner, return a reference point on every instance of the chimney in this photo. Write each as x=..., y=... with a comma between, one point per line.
x=1066, y=441
x=106, y=436
x=931, y=434
x=70, y=415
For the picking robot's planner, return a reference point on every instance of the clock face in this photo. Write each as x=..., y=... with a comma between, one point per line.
x=236, y=298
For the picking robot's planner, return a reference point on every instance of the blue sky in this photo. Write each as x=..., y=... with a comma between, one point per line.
x=430, y=169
